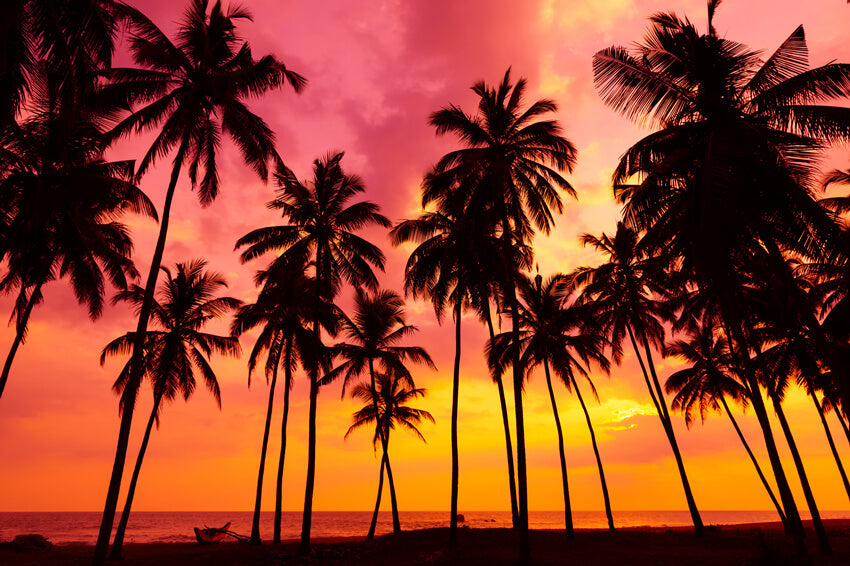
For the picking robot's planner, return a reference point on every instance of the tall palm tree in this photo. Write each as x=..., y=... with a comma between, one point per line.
x=390, y=411
x=321, y=232
x=374, y=333
x=732, y=169
x=282, y=309
x=454, y=266
x=175, y=354
x=703, y=387
x=62, y=203
x=620, y=292
x=196, y=90
x=552, y=337
x=510, y=172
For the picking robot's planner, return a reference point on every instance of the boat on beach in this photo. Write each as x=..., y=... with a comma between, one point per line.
x=209, y=535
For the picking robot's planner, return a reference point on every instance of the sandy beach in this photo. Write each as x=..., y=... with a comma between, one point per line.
x=746, y=545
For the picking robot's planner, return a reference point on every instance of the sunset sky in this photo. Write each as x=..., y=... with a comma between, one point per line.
x=376, y=70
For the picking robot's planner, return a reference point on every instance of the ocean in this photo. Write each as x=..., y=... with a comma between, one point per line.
x=159, y=526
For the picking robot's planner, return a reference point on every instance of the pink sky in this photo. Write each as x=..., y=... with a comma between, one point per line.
x=376, y=70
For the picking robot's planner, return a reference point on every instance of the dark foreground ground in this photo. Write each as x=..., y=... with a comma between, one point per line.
x=740, y=545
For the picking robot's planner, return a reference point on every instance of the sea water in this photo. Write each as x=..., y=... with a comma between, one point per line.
x=160, y=526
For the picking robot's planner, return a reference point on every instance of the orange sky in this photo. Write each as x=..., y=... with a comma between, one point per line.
x=376, y=70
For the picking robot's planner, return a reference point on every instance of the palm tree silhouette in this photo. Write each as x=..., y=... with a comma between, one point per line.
x=703, y=387
x=620, y=294
x=322, y=233
x=456, y=264
x=509, y=171
x=732, y=168
x=175, y=354
x=553, y=337
x=62, y=204
x=73, y=39
x=196, y=90
x=374, y=333
x=282, y=309
x=385, y=406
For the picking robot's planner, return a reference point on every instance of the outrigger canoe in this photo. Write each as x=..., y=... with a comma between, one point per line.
x=209, y=536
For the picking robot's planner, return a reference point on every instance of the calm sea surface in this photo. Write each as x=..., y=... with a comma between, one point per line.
x=66, y=528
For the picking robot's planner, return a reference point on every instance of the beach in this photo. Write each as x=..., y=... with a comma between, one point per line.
x=753, y=544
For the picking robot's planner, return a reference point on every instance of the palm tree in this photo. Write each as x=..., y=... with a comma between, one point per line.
x=620, y=292
x=175, y=354
x=455, y=264
x=196, y=90
x=703, y=387
x=62, y=203
x=375, y=331
x=509, y=173
x=321, y=232
x=72, y=38
x=282, y=308
x=385, y=406
x=732, y=170
x=552, y=337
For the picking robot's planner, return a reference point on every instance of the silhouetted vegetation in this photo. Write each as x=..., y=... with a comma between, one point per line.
x=726, y=256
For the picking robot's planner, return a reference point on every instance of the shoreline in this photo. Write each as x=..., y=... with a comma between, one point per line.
x=752, y=544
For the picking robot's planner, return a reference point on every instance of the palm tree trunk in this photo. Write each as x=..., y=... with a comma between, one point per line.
x=278, y=500
x=506, y=424
x=393, y=500
x=568, y=512
x=823, y=540
x=136, y=370
x=115, y=553
x=20, y=331
x=374, y=523
x=664, y=416
x=699, y=529
x=755, y=463
x=455, y=385
x=645, y=374
x=522, y=478
x=829, y=438
x=382, y=434
x=740, y=350
x=255, y=523
x=307, y=515
x=840, y=417
x=605, y=496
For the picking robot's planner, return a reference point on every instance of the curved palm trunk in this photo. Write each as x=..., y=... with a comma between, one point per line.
x=255, y=523
x=755, y=463
x=374, y=523
x=382, y=434
x=136, y=371
x=278, y=502
x=455, y=385
x=307, y=515
x=661, y=408
x=568, y=512
x=829, y=438
x=699, y=529
x=117, y=544
x=739, y=348
x=393, y=500
x=823, y=540
x=20, y=330
x=602, y=481
x=506, y=424
x=645, y=374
